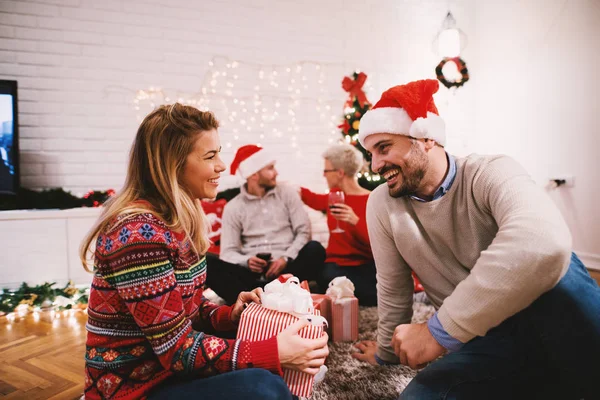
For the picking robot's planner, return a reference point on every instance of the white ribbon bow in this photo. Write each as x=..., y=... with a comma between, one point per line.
x=340, y=288
x=290, y=298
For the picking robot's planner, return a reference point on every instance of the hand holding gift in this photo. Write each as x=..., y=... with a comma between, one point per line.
x=287, y=313
x=299, y=354
x=243, y=299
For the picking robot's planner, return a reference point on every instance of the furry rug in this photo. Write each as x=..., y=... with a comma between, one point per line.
x=350, y=379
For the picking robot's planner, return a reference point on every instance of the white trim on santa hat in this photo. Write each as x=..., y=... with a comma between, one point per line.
x=396, y=121
x=254, y=163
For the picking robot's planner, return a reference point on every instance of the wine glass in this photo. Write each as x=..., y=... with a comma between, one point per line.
x=336, y=197
x=264, y=254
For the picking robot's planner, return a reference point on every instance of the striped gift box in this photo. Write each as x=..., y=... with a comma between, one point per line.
x=260, y=323
x=322, y=302
x=344, y=319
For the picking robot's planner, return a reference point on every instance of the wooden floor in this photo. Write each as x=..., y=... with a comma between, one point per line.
x=41, y=357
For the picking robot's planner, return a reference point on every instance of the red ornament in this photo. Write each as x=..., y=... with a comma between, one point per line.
x=345, y=126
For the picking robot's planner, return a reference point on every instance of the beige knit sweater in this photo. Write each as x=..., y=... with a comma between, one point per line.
x=484, y=251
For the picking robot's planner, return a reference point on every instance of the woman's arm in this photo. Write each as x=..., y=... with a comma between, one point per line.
x=142, y=271
x=313, y=200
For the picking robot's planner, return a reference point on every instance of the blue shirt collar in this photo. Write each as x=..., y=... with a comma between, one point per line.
x=446, y=184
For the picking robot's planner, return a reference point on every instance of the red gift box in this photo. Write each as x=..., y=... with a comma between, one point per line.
x=322, y=302
x=344, y=319
x=260, y=323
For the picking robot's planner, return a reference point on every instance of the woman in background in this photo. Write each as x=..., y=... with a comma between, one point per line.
x=349, y=252
x=146, y=307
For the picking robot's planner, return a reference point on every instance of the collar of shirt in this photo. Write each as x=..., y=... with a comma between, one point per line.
x=244, y=191
x=447, y=184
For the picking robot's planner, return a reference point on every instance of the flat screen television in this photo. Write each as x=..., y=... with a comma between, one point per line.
x=9, y=138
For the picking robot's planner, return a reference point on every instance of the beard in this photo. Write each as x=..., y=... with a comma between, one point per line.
x=267, y=184
x=411, y=175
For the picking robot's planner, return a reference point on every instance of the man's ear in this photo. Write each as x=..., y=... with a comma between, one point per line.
x=429, y=144
x=252, y=177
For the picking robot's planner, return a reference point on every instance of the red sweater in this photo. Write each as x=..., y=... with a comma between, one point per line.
x=352, y=247
x=145, y=309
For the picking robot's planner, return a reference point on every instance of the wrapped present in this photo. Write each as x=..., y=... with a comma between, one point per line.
x=344, y=310
x=283, y=303
x=322, y=302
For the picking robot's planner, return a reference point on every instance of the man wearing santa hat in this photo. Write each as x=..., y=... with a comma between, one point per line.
x=265, y=230
x=517, y=312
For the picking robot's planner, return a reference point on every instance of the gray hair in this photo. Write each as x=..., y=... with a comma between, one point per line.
x=345, y=157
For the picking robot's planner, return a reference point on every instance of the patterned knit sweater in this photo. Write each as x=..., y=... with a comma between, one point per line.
x=145, y=309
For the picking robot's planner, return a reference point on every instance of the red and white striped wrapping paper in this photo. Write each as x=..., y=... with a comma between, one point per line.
x=260, y=323
x=344, y=319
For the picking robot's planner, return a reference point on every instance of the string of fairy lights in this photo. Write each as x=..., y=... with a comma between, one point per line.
x=258, y=103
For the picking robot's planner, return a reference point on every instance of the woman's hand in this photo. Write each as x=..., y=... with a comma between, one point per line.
x=343, y=212
x=243, y=298
x=300, y=354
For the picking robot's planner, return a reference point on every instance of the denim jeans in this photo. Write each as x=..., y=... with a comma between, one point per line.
x=243, y=384
x=549, y=350
x=363, y=277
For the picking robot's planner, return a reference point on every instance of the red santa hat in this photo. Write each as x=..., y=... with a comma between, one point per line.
x=406, y=110
x=249, y=159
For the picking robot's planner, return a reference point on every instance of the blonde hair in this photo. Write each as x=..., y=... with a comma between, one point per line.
x=345, y=157
x=156, y=161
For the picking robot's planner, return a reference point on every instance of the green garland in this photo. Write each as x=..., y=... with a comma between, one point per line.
x=26, y=199
x=42, y=296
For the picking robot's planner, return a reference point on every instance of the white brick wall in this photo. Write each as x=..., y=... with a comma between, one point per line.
x=79, y=64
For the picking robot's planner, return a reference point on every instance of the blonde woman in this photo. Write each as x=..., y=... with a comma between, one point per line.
x=146, y=307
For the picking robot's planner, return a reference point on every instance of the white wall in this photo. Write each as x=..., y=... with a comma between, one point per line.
x=536, y=80
x=79, y=64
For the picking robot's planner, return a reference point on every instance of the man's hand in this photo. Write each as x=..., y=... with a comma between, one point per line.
x=244, y=298
x=256, y=264
x=415, y=346
x=368, y=349
x=276, y=268
x=345, y=213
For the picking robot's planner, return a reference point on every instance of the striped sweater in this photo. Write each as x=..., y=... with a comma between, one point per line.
x=146, y=311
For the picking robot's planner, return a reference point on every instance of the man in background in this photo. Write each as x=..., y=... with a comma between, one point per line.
x=265, y=231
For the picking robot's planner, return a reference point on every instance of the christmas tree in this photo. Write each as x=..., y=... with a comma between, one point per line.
x=356, y=106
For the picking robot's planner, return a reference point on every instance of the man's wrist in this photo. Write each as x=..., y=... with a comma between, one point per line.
x=381, y=361
x=440, y=335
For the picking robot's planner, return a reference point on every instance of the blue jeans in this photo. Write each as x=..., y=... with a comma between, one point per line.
x=243, y=384
x=363, y=277
x=550, y=350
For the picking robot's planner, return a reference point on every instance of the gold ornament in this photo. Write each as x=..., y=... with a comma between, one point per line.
x=71, y=290
x=356, y=124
